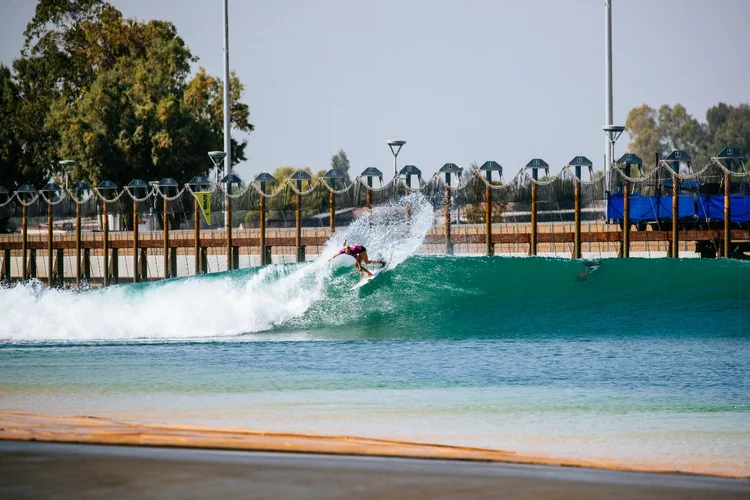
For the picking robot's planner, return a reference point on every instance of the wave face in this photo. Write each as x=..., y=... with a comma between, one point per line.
x=214, y=305
x=421, y=297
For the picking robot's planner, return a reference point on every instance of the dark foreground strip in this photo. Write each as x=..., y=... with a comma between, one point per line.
x=43, y=470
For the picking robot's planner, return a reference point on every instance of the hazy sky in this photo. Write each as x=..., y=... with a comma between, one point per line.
x=460, y=81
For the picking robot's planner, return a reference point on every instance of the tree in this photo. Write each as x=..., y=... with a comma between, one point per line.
x=115, y=95
x=727, y=126
x=286, y=201
x=678, y=130
x=643, y=129
x=14, y=170
x=340, y=162
x=673, y=128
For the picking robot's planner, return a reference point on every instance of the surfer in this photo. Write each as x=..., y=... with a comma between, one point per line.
x=360, y=255
x=590, y=267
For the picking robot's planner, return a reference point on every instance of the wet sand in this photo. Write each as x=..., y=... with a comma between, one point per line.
x=166, y=461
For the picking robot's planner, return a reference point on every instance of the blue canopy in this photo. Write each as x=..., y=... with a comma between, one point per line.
x=650, y=208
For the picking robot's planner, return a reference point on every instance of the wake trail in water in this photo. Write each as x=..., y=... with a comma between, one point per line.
x=214, y=305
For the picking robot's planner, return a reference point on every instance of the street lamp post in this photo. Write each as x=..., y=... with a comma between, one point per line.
x=227, y=123
x=395, y=149
x=216, y=158
x=608, y=100
x=613, y=133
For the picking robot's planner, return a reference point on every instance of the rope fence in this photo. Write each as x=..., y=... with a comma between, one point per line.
x=67, y=236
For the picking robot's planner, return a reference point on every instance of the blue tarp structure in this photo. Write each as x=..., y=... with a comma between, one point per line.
x=649, y=208
x=711, y=207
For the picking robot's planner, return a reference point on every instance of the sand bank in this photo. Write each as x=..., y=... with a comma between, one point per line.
x=93, y=430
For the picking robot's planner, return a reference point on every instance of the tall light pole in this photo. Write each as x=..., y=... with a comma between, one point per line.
x=395, y=148
x=227, y=135
x=613, y=133
x=216, y=158
x=609, y=113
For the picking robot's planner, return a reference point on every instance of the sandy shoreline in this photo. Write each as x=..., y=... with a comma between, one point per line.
x=106, y=431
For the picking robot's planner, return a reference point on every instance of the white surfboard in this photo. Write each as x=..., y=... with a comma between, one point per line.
x=375, y=274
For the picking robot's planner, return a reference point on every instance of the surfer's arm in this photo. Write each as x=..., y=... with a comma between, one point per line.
x=340, y=252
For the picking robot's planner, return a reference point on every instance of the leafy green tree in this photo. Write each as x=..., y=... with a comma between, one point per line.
x=643, y=128
x=673, y=128
x=14, y=170
x=727, y=126
x=286, y=201
x=340, y=162
x=116, y=95
x=678, y=130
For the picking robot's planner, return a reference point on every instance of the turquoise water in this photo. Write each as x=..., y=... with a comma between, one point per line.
x=636, y=361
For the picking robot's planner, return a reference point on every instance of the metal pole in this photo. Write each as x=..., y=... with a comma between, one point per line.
x=488, y=217
x=50, y=262
x=24, y=241
x=87, y=263
x=197, y=236
x=263, y=225
x=626, y=218
x=106, y=243
x=6, y=265
x=227, y=134
x=406, y=207
x=298, y=225
x=135, y=241
x=78, y=244
x=727, y=213
x=332, y=211
x=533, y=236
x=115, y=265
x=448, y=246
x=675, y=215
x=577, y=215
x=228, y=204
x=166, y=238
x=144, y=264
x=609, y=113
x=227, y=124
x=60, y=266
x=369, y=194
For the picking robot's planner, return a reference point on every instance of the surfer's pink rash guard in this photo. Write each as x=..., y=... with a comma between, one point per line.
x=354, y=250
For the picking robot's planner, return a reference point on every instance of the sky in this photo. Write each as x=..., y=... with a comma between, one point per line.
x=460, y=81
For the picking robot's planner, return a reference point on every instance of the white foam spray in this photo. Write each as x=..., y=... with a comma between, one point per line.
x=209, y=306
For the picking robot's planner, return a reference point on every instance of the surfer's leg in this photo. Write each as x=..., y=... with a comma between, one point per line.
x=368, y=261
x=359, y=260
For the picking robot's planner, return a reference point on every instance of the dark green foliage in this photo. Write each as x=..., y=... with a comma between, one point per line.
x=672, y=128
x=116, y=96
x=340, y=162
